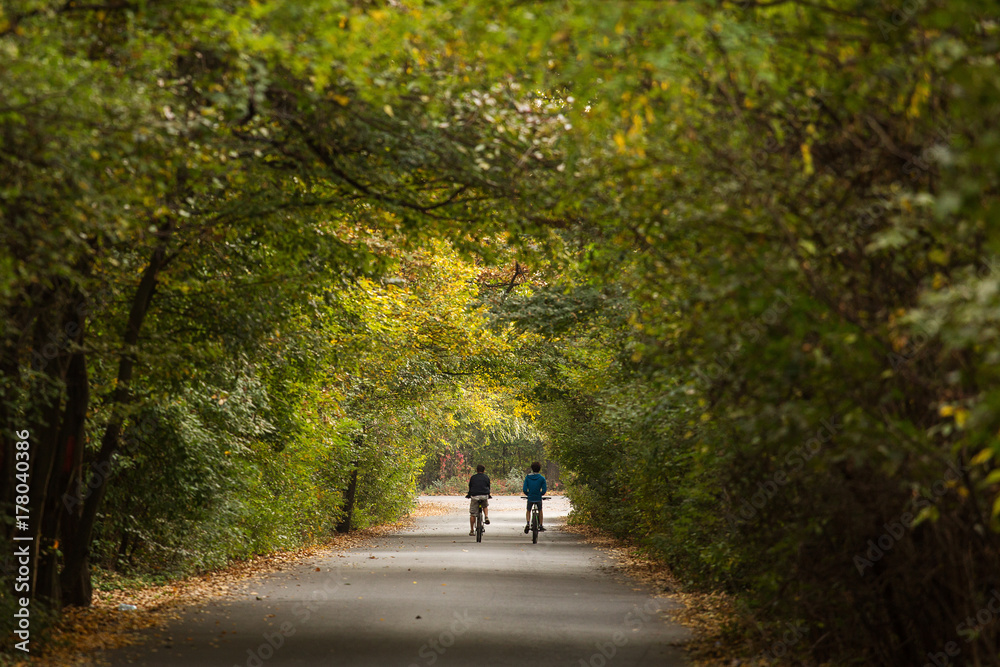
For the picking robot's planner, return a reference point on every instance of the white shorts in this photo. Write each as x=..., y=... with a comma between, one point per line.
x=474, y=504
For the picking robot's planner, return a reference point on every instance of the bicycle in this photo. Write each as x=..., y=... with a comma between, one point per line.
x=534, y=519
x=479, y=522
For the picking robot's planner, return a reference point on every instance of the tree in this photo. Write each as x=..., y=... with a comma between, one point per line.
x=207, y=148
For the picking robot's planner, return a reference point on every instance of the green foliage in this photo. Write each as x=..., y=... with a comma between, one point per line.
x=799, y=213
x=752, y=311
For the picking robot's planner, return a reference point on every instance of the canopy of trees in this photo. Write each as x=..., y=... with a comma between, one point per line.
x=733, y=263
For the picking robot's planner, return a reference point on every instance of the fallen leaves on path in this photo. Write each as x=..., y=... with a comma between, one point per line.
x=84, y=632
x=434, y=509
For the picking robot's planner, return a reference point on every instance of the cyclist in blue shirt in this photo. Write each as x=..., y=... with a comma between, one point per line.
x=534, y=488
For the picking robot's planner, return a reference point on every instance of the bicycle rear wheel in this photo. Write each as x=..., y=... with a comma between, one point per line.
x=534, y=527
x=479, y=525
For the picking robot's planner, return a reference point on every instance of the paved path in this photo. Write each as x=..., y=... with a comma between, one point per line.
x=431, y=596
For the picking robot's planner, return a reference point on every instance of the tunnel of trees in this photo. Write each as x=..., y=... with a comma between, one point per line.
x=266, y=267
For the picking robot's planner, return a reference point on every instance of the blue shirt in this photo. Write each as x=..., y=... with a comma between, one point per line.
x=534, y=487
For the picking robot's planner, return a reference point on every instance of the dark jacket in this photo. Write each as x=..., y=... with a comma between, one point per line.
x=479, y=485
x=534, y=487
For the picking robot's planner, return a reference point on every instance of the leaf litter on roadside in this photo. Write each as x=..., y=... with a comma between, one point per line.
x=82, y=633
x=707, y=615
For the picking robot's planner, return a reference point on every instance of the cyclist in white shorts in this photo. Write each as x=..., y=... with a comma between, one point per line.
x=479, y=490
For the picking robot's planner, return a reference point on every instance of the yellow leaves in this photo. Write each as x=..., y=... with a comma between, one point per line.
x=619, y=139
x=939, y=257
x=961, y=415
x=921, y=93
x=930, y=513
x=342, y=100
x=982, y=457
x=388, y=111
x=807, y=159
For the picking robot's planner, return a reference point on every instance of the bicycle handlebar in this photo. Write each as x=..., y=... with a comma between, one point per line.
x=543, y=497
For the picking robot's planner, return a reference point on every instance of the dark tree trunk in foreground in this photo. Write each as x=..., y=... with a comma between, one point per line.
x=352, y=489
x=81, y=510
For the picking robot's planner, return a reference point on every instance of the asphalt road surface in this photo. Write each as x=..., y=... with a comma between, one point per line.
x=427, y=596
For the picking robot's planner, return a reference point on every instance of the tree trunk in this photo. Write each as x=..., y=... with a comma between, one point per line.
x=66, y=495
x=75, y=578
x=47, y=426
x=352, y=489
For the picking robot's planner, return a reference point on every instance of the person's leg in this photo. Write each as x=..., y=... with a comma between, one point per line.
x=486, y=512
